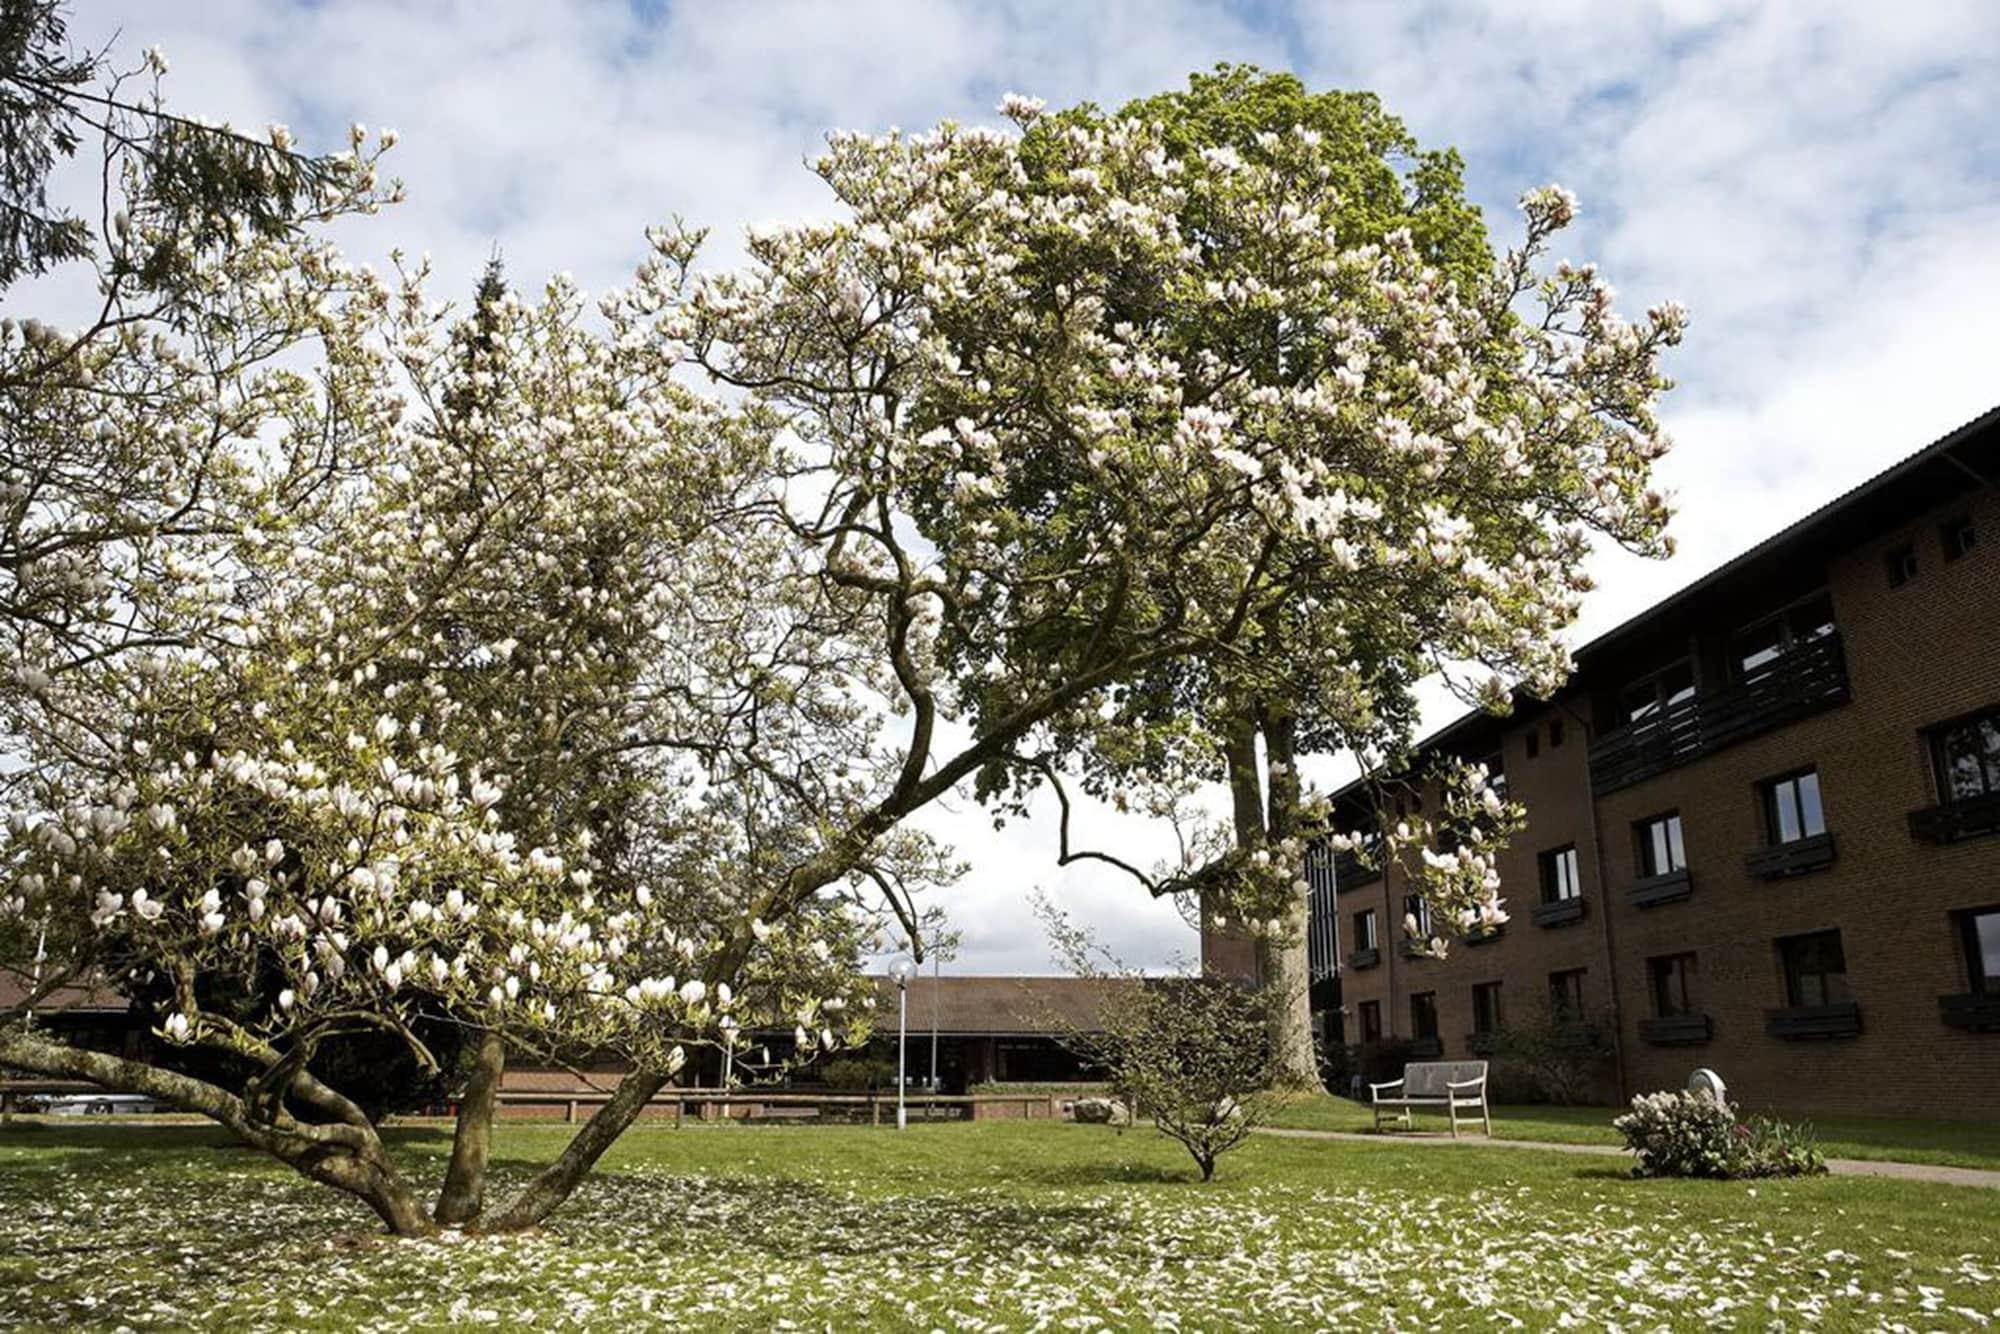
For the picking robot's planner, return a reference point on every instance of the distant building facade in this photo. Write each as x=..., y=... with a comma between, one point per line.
x=1763, y=826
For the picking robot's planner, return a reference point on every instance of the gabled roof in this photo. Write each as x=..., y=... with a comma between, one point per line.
x=999, y=1006
x=75, y=999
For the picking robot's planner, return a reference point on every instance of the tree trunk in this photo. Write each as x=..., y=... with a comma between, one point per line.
x=464, y=1193
x=1284, y=961
x=347, y=1155
x=555, y=1183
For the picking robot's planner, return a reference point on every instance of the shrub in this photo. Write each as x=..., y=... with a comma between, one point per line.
x=1775, y=1148
x=1558, y=1061
x=1383, y=1061
x=1685, y=1134
x=859, y=1072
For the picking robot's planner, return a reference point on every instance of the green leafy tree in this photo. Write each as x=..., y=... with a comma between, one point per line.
x=1436, y=479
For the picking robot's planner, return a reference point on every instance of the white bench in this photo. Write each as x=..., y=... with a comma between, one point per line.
x=1451, y=1086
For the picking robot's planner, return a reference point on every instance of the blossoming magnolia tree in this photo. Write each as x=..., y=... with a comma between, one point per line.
x=1156, y=441
x=411, y=675
x=400, y=776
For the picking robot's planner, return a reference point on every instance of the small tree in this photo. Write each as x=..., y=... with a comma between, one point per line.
x=1191, y=1054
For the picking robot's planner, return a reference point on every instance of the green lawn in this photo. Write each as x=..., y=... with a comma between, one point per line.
x=1947, y=1143
x=994, y=1226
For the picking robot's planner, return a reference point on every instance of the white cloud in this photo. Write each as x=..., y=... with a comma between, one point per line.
x=1817, y=181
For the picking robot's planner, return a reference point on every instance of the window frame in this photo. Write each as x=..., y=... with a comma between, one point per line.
x=1662, y=971
x=1934, y=742
x=1373, y=941
x=1561, y=1010
x=1791, y=967
x=1900, y=563
x=1959, y=536
x=1430, y=1006
x=1487, y=1013
x=1552, y=879
x=1978, y=980
x=1368, y=1018
x=1675, y=843
x=1768, y=798
x=1419, y=907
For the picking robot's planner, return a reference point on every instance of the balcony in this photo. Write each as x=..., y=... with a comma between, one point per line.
x=1677, y=1030
x=1486, y=937
x=1809, y=679
x=1957, y=820
x=1806, y=1023
x=1794, y=858
x=1563, y=912
x=1360, y=959
x=1653, y=890
x=1413, y=949
x=1351, y=872
x=1974, y=1012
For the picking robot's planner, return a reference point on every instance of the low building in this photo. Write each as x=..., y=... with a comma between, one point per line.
x=1763, y=826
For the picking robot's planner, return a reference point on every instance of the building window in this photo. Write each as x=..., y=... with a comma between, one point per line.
x=1660, y=847
x=1670, y=977
x=1364, y=930
x=1496, y=774
x=1371, y=1021
x=1566, y=995
x=1560, y=879
x=1815, y=969
x=1534, y=744
x=1754, y=649
x=1980, y=931
x=1902, y=565
x=1555, y=733
x=1417, y=909
x=1424, y=1014
x=1486, y=1007
x=1959, y=536
x=1646, y=699
x=1967, y=756
x=1792, y=808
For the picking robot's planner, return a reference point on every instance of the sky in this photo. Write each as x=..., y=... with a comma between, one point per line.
x=1819, y=182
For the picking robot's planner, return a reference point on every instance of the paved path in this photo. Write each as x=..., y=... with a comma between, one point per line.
x=1844, y=1167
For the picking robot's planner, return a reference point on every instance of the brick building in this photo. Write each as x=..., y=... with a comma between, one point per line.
x=1763, y=825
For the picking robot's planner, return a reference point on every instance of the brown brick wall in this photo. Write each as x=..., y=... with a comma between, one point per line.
x=1917, y=655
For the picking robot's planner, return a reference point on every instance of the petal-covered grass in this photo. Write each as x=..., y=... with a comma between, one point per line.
x=1878, y=1138
x=993, y=1226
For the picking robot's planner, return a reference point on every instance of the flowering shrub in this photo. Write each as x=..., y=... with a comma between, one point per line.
x=1685, y=1134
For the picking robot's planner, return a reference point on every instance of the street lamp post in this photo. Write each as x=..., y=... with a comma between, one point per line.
x=903, y=970
x=728, y=1060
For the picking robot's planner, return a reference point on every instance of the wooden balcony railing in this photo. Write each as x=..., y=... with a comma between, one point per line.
x=1350, y=871
x=1957, y=820
x=1793, y=858
x=1360, y=959
x=1810, y=678
x=1653, y=890
x=1676, y=1030
x=1841, y=1019
x=1975, y=1012
x=1560, y=913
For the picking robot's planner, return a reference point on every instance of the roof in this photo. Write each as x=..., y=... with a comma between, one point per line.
x=15, y=988
x=1963, y=458
x=1000, y=1006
